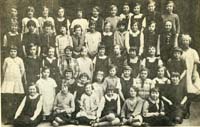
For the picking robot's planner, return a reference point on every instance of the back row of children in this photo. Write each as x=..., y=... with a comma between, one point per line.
x=76, y=56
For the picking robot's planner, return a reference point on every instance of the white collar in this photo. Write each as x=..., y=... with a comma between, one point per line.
x=110, y=98
x=107, y=33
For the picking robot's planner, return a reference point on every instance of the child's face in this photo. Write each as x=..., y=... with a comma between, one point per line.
x=110, y=93
x=13, y=53
x=152, y=27
x=47, y=29
x=175, y=80
x=45, y=12
x=113, y=11
x=95, y=13
x=152, y=51
x=117, y=50
x=161, y=72
x=122, y=28
x=102, y=52
x=134, y=27
x=51, y=52
x=84, y=52
x=127, y=73
x=30, y=13
x=132, y=54
x=177, y=55
x=136, y=10
x=14, y=28
x=107, y=27
x=63, y=30
x=126, y=9
x=68, y=75
x=78, y=31
x=61, y=12
x=32, y=90
x=99, y=77
x=151, y=7
x=83, y=79
x=132, y=92
x=143, y=75
x=88, y=89
x=92, y=27
x=13, y=12
x=79, y=14
x=186, y=42
x=46, y=73
x=112, y=72
x=169, y=7
x=64, y=89
x=68, y=53
x=31, y=28
x=33, y=50
x=168, y=26
x=154, y=95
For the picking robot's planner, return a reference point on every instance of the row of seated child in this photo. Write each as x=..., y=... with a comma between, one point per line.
x=98, y=105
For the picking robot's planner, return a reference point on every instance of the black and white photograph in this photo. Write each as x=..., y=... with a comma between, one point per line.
x=100, y=63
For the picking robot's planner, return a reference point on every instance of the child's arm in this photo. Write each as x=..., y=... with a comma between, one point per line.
x=101, y=107
x=24, y=50
x=4, y=66
x=118, y=105
x=119, y=87
x=55, y=103
x=184, y=100
x=77, y=70
x=22, y=68
x=141, y=43
x=39, y=50
x=158, y=46
x=127, y=46
x=20, y=108
x=177, y=21
x=5, y=41
x=146, y=113
x=167, y=100
x=91, y=68
x=138, y=108
x=123, y=110
x=72, y=106
x=38, y=109
x=57, y=45
x=183, y=74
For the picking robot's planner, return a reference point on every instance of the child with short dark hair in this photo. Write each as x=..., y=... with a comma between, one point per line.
x=30, y=16
x=44, y=18
x=131, y=112
x=101, y=61
x=62, y=41
x=63, y=107
x=153, y=110
x=30, y=37
x=135, y=38
x=97, y=18
x=151, y=62
x=143, y=83
x=126, y=15
x=80, y=21
x=92, y=39
x=109, y=110
x=134, y=61
x=78, y=39
x=113, y=18
x=121, y=35
x=89, y=104
x=32, y=65
x=113, y=81
x=47, y=38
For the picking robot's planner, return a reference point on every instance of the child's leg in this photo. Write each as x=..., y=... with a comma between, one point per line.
x=84, y=120
x=116, y=121
x=137, y=121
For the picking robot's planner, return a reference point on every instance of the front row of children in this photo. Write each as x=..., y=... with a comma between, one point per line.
x=97, y=104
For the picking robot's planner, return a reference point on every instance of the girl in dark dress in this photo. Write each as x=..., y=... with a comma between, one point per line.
x=109, y=110
x=107, y=38
x=101, y=61
x=133, y=61
x=52, y=62
x=61, y=21
x=32, y=65
x=29, y=111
